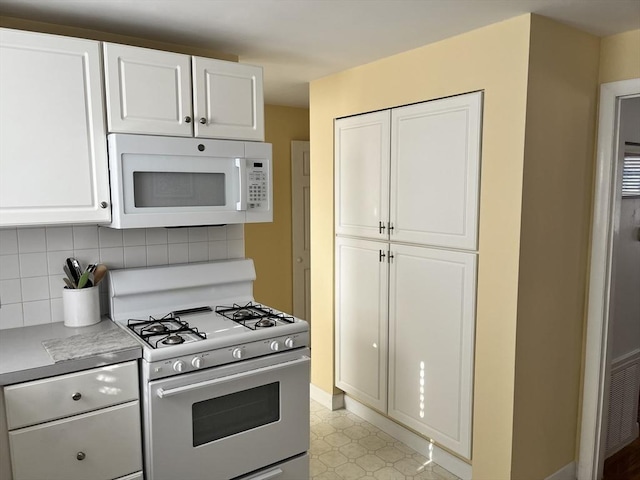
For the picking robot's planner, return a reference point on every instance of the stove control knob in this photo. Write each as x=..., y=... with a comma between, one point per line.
x=288, y=342
x=178, y=366
x=275, y=345
x=197, y=362
x=237, y=353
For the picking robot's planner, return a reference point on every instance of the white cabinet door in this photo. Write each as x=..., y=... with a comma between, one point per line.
x=362, y=175
x=228, y=100
x=361, y=320
x=148, y=91
x=431, y=338
x=435, y=169
x=53, y=152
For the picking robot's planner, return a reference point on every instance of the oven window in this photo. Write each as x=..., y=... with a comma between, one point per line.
x=178, y=189
x=238, y=412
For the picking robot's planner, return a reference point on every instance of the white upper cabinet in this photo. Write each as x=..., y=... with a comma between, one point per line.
x=228, y=99
x=53, y=153
x=362, y=175
x=165, y=93
x=148, y=91
x=435, y=168
x=431, y=339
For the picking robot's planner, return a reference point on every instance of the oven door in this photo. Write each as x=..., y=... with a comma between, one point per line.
x=227, y=421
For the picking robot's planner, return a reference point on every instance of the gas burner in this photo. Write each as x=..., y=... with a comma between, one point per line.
x=265, y=322
x=156, y=328
x=173, y=339
x=243, y=315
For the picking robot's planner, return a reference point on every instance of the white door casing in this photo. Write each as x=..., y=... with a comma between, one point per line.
x=300, y=228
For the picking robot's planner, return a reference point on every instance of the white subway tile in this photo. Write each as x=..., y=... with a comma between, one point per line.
x=135, y=257
x=217, y=233
x=198, y=234
x=35, y=288
x=177, y=235
x=235, y=249
x=56, y=284
x=57, y=260
x=235, y=231
x=112, y=257
x=8, y=241
x=11, y=316
x=157, y=255
x=85, y=257
x=198, y=252
x=178, y=253
x=57, y=310
x=85, y=237
x=9, y=267
x=59, y=238
x=36, y=313
x=109, y=237
x=10, y=291
x=31, y=240
x=134, y=237
x=33, y=264
x=156, y=236
x=218, y=250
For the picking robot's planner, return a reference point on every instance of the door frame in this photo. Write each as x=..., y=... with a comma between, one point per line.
x=598, y=339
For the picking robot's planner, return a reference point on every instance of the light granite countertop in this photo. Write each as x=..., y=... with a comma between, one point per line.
x=23, y=356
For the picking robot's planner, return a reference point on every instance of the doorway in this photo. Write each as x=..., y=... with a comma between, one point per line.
x=599, y=338
x=300, y=226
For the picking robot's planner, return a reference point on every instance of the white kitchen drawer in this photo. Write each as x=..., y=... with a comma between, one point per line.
x=99, y=445
x=295, y=469
x=51, y=398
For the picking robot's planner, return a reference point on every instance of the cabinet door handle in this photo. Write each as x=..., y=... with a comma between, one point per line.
x=104, y=204
x=390, y=228
x=203, y=120
x=390, y=256
x=187, y=119
x=76, y=396
x=80, y=456
x=381, y=256
x=381, y=227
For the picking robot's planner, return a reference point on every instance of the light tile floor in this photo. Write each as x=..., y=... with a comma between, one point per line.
x=345, y=447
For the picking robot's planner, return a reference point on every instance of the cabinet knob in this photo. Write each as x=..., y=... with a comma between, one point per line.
x=76, y=396
x=203, y=120
x=187, y=119
x=104, y=204
x=80, y=456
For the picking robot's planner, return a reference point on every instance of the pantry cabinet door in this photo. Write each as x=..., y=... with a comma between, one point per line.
x=431, y=339
x=362, y=175
x=53, y=152
x=361, y=320
x=435, y=170
x=148, y=91
x=228, y=99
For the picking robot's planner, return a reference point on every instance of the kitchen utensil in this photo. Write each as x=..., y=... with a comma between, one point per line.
x=70, y=277
x=68, y=282
x=77, y=267
x=99, y=273
x=84, y=278
x=74, y=276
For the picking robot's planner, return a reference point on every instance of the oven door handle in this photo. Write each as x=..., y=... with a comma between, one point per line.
x=169, y=392
x=267, y=475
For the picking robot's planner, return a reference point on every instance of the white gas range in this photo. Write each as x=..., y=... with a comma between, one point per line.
x=221, y=375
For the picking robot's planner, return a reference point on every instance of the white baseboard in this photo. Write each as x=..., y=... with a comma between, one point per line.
x=568, y=472
x=332, y=402
x=421, y=445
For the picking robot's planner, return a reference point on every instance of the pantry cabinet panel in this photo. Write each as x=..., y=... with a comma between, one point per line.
x=361, y=320
x=431, y=338
x=148, y=91
x=362, y=175
x=435, y=168
x=228, y=99
x=53, y=153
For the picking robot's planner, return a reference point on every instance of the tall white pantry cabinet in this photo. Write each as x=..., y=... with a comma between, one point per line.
x=406, y=213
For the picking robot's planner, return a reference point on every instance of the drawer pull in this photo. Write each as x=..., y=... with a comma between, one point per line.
x=76, y=396
x=80, y=456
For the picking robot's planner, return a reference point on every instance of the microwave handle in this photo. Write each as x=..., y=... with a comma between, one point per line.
x=241, y=163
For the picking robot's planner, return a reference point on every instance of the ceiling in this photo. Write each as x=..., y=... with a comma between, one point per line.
x=297, y=41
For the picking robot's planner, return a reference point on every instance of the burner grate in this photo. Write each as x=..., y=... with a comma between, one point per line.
x=166, y=330
x=253, y=315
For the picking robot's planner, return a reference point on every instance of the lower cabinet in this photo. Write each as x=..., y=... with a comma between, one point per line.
x=405, y=321
x=64, y=441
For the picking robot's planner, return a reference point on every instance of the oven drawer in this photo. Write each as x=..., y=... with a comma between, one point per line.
x=294, y=469
x=99, y=445
x=52, y=398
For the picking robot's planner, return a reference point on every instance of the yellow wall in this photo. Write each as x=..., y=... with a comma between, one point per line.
x=493, y=59
x=269, y=244
x=556, y=214
x=620, y=57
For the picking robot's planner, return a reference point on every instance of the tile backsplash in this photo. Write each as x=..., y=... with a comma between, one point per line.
x=31, y=260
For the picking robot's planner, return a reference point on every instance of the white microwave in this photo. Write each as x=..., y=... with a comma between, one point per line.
x=173, y=181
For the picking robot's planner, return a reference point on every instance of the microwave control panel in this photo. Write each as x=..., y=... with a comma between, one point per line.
x=257, y=185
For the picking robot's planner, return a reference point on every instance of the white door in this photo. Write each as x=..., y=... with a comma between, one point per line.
x=361, y=320
x=435, y=168
x=431, y=340
x=148, y=91
x=228, y=100
x=362, y=175
x=53, y=152
x=300, y=223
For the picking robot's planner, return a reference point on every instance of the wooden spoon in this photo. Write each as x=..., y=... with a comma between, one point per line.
x=99, y=273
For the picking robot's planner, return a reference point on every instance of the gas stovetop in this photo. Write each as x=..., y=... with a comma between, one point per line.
x=211, y=309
